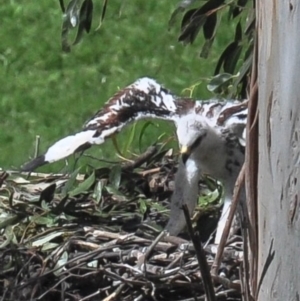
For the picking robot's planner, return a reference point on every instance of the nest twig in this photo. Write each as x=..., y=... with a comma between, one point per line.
x=105, y=242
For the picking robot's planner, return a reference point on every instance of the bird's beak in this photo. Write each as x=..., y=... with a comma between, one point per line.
x=185, y=153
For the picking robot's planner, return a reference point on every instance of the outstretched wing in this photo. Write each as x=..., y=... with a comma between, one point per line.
x=145, y=98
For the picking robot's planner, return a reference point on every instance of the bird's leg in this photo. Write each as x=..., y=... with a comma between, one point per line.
x=236, y=222
x=222, y=220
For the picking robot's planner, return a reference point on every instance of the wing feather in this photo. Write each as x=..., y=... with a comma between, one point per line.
x=145, y=98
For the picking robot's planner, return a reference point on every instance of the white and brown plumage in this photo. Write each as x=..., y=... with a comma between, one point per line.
x=210, y=135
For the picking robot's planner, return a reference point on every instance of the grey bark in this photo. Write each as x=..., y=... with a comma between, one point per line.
x=279, y=149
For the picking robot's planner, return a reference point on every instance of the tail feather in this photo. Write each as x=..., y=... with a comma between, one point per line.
x=35, y=163
x=64, y=148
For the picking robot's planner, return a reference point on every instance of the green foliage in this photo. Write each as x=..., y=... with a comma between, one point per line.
x=237, y=55
x=84, y=186
x=48, y=93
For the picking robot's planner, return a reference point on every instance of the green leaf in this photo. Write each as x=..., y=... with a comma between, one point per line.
x=244, y=70
x=43, y=220
x=206, y=48
x=78, y=14
x=112, y=190
x=45, y=205
x=191, y=31
x=238, y=32
x=159, y=207
x=143, y=130
x=62, y=6
x=47, y=238
x=174, y=15
x=9, y=220
x=130, y=139
x=232, y=59
x=218, y=81
x=9, y=235
x=61, y=263
x=85, y=20
x=142, y=205
x=209, y=198
x=181, y=7
x=104, y=6
x=210, y=26
x=115, y=176
x=238, y=8
x=84, y=186
x=98, y=191
x=49, y=246
x=70, y=20
x=68, y=186
x=227, y=52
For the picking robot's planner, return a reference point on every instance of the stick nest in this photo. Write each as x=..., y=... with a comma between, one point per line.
x=99, y=236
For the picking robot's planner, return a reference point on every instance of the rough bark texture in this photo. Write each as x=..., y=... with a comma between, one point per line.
x=279, y=149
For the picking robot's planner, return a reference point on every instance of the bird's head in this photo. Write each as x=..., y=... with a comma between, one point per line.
x=192, y=131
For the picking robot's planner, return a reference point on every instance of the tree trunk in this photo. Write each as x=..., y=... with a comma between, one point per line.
x=279, y=150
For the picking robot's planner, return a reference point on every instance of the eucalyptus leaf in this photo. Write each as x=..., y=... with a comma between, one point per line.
x=115, y=176
x=227, y=52
x=98, y=191
x=71, y=14
x=209, y=198
x=9, y=235
x=245, y=69
x=70, y=183
x=49, y=246
x=237, y=9
x=142, y=206
x=238, y=32
x=142, y=132
x=43, y=220
x=47, y=238
x=232, y=59
x=61, y=263
x=159, y=207
x=78, y=14
x=9, y=220
x=62, y=5
x=218, y=80
x=45, y=206
x=18, y=180
x=182, y=5
x=85, y=20
x=84, y=186
x=104, y=7
x=191, y=31
x=129, y=141
x=112, y=190
x=209, y=26
x=206, y=48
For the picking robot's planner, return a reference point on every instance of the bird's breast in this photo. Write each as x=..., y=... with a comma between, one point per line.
x=192, y=171
x=222, y=164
